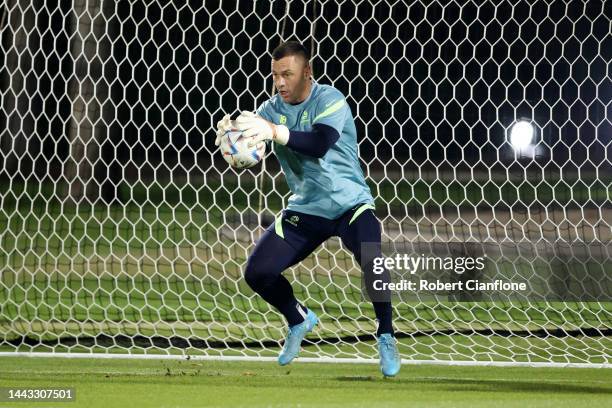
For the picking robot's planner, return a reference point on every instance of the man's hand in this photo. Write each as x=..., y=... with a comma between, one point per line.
x=259, y=129
x=223, y=126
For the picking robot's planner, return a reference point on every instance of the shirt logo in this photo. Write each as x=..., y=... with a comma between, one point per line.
x=293, y=220
x=282, y=120
x=304, y=117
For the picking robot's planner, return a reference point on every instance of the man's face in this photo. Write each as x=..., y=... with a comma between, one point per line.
x=291, y=78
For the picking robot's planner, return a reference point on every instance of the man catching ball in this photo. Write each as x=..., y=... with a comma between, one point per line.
x=315, y=140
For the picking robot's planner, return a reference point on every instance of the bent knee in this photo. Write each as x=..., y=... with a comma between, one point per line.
x=258, y=274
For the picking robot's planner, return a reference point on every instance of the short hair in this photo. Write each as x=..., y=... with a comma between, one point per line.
x=289, y=48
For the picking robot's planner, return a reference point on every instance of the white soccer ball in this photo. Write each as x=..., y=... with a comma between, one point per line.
x=237, y=154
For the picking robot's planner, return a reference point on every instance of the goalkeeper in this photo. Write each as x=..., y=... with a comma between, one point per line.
x=315, y=141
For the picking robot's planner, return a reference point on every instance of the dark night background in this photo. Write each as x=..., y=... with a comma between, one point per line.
x=431, y=87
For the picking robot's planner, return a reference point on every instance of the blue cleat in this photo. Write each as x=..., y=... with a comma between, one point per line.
x=294, y=338
x=390, y=361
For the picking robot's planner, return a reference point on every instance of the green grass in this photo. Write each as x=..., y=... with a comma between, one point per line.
x=211, y=301
x=77, y=307
x=242, y=192
x=158, y=266
x=181, y=384
x=154, y=215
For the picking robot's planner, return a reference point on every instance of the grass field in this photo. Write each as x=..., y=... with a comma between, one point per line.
x=78, y=308
x=157, y=383
x=161, y=265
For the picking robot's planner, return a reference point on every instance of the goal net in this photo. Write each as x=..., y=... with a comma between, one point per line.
x=484, y=130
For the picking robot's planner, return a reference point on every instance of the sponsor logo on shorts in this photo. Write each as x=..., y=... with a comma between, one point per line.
x=293, y=220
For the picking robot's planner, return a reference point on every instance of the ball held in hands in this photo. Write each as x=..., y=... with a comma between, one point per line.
x=223, y=126
x=258, y=129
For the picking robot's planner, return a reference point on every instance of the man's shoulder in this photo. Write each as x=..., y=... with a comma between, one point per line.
x=328, y=93
x=270, y=103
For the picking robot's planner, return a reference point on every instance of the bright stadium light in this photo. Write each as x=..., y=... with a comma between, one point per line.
x=521, y=135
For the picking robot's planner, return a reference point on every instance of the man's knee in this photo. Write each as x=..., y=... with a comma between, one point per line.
x=252, y=274
x=259, y=274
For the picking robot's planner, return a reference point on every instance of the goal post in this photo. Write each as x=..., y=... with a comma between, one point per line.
x=483, y=129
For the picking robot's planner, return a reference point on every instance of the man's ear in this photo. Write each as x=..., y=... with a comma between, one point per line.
x=307, y=71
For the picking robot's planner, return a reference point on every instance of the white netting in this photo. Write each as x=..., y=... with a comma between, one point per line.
x=123, y=231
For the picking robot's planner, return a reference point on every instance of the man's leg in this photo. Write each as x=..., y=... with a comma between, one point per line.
x=365, y=228
x=288, y=241
x=271, y=256
x=359, y=226
x=281, y=246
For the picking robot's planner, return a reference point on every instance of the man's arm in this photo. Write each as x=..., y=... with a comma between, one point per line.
x=329, y=120
x=314, y=143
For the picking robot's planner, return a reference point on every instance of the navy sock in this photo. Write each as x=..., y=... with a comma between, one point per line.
x=280, y=295
x=294, y=312
x=384, y=314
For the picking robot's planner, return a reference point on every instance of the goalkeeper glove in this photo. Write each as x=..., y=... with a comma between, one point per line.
x=260, y=129
x=223, y=126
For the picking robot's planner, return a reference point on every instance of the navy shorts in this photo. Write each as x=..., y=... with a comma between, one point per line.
x=305, y=232
x=294, y=236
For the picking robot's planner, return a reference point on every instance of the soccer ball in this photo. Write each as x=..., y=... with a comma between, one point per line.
x=237, y=154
